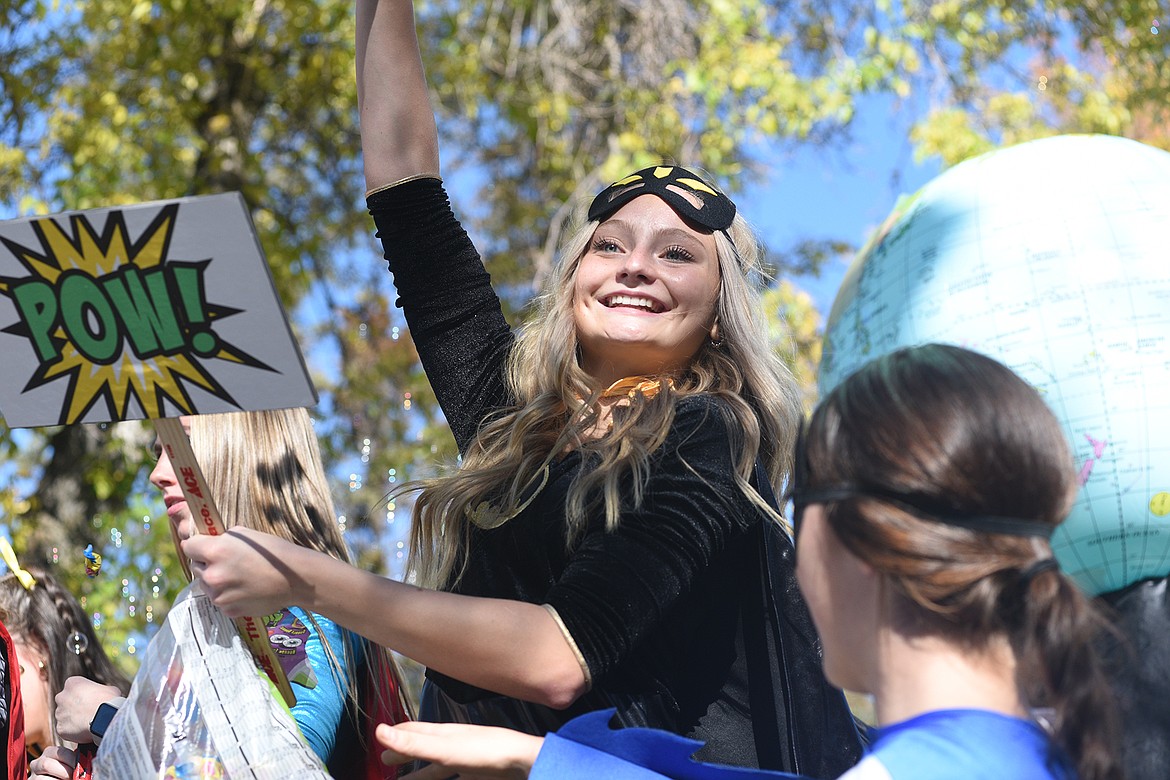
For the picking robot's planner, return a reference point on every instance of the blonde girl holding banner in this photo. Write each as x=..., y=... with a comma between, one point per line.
x=264, y=471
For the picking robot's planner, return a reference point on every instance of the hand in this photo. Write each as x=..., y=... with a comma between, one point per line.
x=246, y=572
x=472, y=752
x=56, y=763
x=76, y=705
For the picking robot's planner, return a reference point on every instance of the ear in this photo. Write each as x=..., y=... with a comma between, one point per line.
x=715, y=339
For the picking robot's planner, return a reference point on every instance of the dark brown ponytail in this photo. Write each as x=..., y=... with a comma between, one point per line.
x=1059, y=669
x=961, y=432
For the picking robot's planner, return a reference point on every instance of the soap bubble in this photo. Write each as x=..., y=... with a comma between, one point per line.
x=77, y=643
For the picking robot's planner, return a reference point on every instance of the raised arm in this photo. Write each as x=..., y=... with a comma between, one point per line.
x=453, y=313
x=399, y=138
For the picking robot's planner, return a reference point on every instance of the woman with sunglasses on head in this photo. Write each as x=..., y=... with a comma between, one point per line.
x=603, y=543
x=924, y=494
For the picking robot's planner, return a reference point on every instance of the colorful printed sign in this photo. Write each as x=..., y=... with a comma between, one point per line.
x=152, y=310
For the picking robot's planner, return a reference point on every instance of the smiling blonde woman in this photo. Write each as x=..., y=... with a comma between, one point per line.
x=608, y=540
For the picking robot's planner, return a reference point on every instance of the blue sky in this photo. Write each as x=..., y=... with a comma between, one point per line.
x=843, y=192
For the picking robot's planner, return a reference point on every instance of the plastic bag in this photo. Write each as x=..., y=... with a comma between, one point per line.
x=199, y=709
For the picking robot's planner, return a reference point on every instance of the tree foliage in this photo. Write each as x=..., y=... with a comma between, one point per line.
x=117, y=101
x=1004, y=73
x=551, y=99
x=540, y=102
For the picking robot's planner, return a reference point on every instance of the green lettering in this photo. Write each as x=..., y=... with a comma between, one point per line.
x=81, y=299
x=188, y=281
x=36, y=303
x=145, y=310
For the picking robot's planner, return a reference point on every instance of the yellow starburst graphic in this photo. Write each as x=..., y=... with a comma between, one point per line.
x=116, y=318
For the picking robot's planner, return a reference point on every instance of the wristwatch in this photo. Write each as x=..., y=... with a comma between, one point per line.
x=101, y=720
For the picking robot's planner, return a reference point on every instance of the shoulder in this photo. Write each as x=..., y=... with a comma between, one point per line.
x=704, y=413
x=701, y=455
x=704, y=427
x=702, y=403
x=954, y=744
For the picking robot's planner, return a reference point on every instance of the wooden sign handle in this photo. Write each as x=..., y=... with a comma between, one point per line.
x=206, y=520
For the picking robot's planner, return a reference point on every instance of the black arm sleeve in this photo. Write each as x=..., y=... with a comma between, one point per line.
x=446, y=294
x=619, y=585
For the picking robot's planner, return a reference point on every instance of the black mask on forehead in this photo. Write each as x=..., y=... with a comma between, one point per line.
x=681, y=190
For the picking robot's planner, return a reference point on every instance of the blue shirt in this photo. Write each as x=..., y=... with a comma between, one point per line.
x=586, y=748
x=319, y=710
x=942, y=745
x=962, y=745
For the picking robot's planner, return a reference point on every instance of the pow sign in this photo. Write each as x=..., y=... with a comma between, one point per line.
x=153, y=310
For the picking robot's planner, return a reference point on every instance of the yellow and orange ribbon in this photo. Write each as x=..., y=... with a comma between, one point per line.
x=27, y=580
x=631, y=386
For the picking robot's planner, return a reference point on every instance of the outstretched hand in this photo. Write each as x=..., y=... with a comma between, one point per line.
x=246, y=572
x=456, y=749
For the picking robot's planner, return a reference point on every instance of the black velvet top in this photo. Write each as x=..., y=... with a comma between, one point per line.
x=656, y=607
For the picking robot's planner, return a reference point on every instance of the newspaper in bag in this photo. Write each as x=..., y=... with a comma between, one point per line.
x=199, y=709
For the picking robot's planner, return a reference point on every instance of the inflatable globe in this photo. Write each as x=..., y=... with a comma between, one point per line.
x=1052, y=257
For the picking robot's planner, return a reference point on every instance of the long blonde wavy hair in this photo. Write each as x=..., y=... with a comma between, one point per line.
x=264, y=470
x=556, y=408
